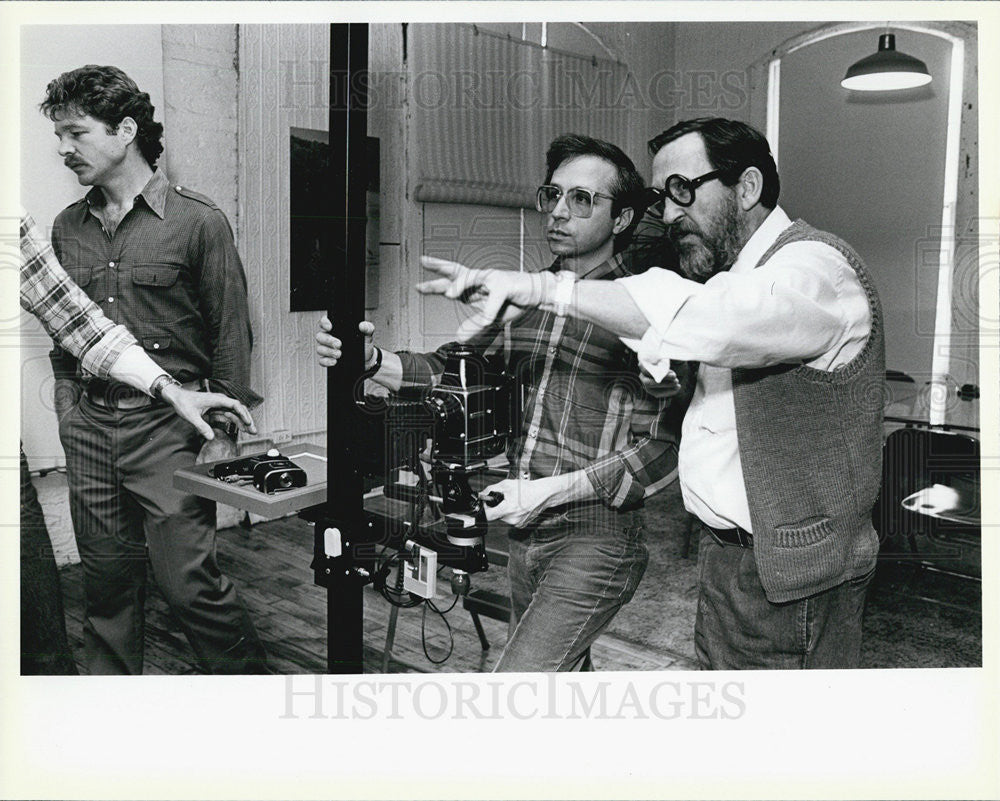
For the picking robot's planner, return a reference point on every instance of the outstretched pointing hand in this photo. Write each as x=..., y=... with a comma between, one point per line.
x=493, y=295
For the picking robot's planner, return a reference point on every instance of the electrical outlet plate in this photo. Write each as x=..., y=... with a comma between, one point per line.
x=420, y=574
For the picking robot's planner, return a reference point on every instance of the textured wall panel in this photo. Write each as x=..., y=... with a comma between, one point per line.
x=284, y=84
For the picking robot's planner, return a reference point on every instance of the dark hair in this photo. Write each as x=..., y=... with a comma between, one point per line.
x=109, y=95
x=626, y=189
x=732, y=146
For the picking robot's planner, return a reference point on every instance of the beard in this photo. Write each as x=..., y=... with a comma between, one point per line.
x=703, y=253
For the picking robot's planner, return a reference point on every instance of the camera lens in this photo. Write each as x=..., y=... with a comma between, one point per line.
x=285, y=480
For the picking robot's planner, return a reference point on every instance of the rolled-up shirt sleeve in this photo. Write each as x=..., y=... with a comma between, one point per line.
x=624, y=477
x=425, y=369
x=793, y=309
x=68, y=315
x=659, y=294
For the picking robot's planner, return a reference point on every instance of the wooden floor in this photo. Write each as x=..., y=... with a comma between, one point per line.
x=270, y=566
x=913, y=618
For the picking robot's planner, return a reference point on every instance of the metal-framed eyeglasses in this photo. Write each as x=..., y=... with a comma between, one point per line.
x=579, y=201
x=679, y=189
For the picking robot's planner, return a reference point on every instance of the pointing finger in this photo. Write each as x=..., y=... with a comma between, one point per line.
x=436, y=286
x=448, y=269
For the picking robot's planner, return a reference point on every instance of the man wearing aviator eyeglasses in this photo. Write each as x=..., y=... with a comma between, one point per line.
x=781, y=451
x=592, y=444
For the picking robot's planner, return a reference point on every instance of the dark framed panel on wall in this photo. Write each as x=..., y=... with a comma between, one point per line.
x=315, y=246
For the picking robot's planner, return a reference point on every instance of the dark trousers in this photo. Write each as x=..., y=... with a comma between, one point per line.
x=120, y=466
x=738, y=628
x=568, y=579
x=44, y=647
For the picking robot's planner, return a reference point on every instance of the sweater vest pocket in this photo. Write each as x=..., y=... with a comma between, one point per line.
x=797, y=561
x=802, y=536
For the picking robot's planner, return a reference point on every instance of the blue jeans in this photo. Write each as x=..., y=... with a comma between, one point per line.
x=738, y=628
x=569, y=576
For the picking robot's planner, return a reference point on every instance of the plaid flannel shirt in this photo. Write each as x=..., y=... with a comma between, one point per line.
x=69, y=316
x=585, y=408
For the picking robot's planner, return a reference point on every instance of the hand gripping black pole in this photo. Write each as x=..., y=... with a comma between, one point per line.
x=342, y=526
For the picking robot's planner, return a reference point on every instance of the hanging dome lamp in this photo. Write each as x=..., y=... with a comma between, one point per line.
x=886, y=70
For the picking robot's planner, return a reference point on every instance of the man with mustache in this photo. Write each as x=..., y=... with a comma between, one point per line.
x=781, y=451
x=159, y=259
x=592, y=444
x=105, y=350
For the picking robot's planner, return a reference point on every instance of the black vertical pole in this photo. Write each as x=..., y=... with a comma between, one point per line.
x=344, y=519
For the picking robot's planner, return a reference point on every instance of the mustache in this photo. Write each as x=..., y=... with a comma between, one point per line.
x=674, y=231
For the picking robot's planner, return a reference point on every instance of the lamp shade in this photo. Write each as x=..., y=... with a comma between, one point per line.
x=886, y=70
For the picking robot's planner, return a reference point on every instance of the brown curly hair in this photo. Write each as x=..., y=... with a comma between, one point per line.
x=109, y=95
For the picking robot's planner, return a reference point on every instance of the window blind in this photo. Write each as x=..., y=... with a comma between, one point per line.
x=486, y=106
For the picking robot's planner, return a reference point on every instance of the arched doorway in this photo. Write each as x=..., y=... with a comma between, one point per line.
x=895, y=174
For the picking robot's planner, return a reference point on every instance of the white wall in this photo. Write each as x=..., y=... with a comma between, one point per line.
x=707, y=54
x=47, y=186
x=871, y=168
x=905, y=255
x=284, y=83
x=200, y=88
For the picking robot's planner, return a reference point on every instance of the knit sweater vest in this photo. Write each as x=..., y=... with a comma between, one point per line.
x=811, y=450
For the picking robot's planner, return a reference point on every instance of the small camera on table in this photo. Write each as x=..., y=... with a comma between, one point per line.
x=268, y=472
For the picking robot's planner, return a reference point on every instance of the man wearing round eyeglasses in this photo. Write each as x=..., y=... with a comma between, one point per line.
x=592, y=443
x=781, y=453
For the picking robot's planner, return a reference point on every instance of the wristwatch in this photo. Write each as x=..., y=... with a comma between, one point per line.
x=159, y=383
x=369, y=372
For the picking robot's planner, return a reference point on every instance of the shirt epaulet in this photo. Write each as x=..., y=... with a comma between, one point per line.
x=183, y=191
x=81, y=202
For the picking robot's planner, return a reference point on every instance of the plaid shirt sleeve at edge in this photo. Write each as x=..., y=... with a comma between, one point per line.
x=623, y=478
x=425, y=369
x=71, y=318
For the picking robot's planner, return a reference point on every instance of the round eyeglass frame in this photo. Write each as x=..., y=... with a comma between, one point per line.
x=678, y=183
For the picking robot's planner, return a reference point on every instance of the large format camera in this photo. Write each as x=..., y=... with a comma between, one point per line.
x=467, y=417
x=471, y=408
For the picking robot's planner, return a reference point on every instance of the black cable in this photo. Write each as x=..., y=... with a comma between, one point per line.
x=380, y=582
x=454, y=601
x=423, y=635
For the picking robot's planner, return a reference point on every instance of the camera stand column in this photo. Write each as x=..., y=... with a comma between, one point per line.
x=342, y=527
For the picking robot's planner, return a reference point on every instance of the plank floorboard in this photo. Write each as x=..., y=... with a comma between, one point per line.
x=912, y=619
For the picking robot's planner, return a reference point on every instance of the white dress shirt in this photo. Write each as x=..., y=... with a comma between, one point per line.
x=806, y=305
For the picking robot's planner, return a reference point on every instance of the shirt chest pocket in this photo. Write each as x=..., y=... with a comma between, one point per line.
x=156, y=343
x=157, y=294
x=154, y=275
